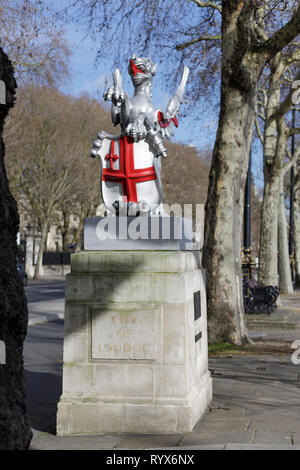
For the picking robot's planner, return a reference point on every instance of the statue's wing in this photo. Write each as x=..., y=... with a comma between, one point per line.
x=177, y=99
x=168, y=118
x=118, y=87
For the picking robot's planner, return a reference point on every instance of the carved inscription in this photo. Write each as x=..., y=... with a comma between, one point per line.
x=124, y=335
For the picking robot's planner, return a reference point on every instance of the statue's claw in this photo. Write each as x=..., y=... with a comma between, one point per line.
x=94, y=153
x=107, y=95
x=115, y=93
x=136, y=130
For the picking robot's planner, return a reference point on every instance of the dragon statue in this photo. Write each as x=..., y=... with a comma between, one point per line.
x=131, y=161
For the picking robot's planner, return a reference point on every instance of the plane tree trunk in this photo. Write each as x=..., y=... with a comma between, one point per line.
x=297, y=229
x=284, y=269
x=268, y=246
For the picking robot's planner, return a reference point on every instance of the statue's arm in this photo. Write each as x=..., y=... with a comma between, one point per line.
x=115, y=93
x=115, y=114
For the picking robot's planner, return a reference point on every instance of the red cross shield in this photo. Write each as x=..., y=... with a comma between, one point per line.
x=129, y=172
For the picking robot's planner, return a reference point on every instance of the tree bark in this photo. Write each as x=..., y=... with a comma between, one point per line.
x=224, y=209
x=268, y=260
x=297, y=232
x=284, y=269
x=39, y=262
x=15, y=430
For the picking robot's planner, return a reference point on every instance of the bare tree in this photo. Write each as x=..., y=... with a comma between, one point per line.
x=88, y=116
x=33, y=41
x=45, y=158
x=273, y=110
x=51, y=175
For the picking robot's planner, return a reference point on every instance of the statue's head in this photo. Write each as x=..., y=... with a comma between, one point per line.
x=141, y=69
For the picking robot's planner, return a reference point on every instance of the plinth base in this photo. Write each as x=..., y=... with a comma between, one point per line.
x=135, y=346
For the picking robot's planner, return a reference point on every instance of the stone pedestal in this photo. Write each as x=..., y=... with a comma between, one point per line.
x=135, y=347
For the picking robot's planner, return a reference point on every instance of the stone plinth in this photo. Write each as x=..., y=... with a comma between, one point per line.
x=135, y=348
x=138, y=233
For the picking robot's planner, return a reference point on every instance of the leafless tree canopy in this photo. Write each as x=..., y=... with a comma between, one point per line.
x=186, y=31
x=34, y=43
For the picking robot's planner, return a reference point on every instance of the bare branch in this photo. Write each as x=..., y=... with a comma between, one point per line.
x=179, y=47
x=261, y=116
x=294, y=131
x=203, y=4
x=292, y=160
x=261, y=33
x=294, y=57
x=283, y=37
x=258, y=130
x=287, y=103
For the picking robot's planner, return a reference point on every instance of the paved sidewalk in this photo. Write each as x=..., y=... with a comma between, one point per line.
x=283, y=323
x=256, y=405
x=256, y=402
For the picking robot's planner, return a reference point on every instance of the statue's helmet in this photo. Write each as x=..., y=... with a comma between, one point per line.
x=141, y=66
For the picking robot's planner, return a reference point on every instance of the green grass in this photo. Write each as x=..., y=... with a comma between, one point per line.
x=228, y=348
x=270, y=347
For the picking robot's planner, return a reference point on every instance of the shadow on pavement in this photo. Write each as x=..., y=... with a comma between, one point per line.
x=43, y=391
x=43, y=354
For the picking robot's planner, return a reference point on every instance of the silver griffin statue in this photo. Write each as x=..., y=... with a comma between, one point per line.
x=131, y=161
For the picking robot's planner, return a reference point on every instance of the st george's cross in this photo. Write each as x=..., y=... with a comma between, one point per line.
x=128, y=172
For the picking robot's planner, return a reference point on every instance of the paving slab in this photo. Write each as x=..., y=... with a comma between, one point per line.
x=227, y=411
x=274, y=438
x=206, y=438
x=222, y=425
x=262, y=409
x=140, y=441
x=275, y=423
x=45, y=441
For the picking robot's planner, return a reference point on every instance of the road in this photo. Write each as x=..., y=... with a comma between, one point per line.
x=45, y=301
x=43, y=352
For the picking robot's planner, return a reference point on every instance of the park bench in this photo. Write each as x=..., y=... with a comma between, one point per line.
x=259, y=299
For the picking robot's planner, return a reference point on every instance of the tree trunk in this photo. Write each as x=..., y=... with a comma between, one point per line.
x=15, y=430
x=284, y=269
x=39, y=261
x=268, y=259
x=297, y=236
x=224, y=208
